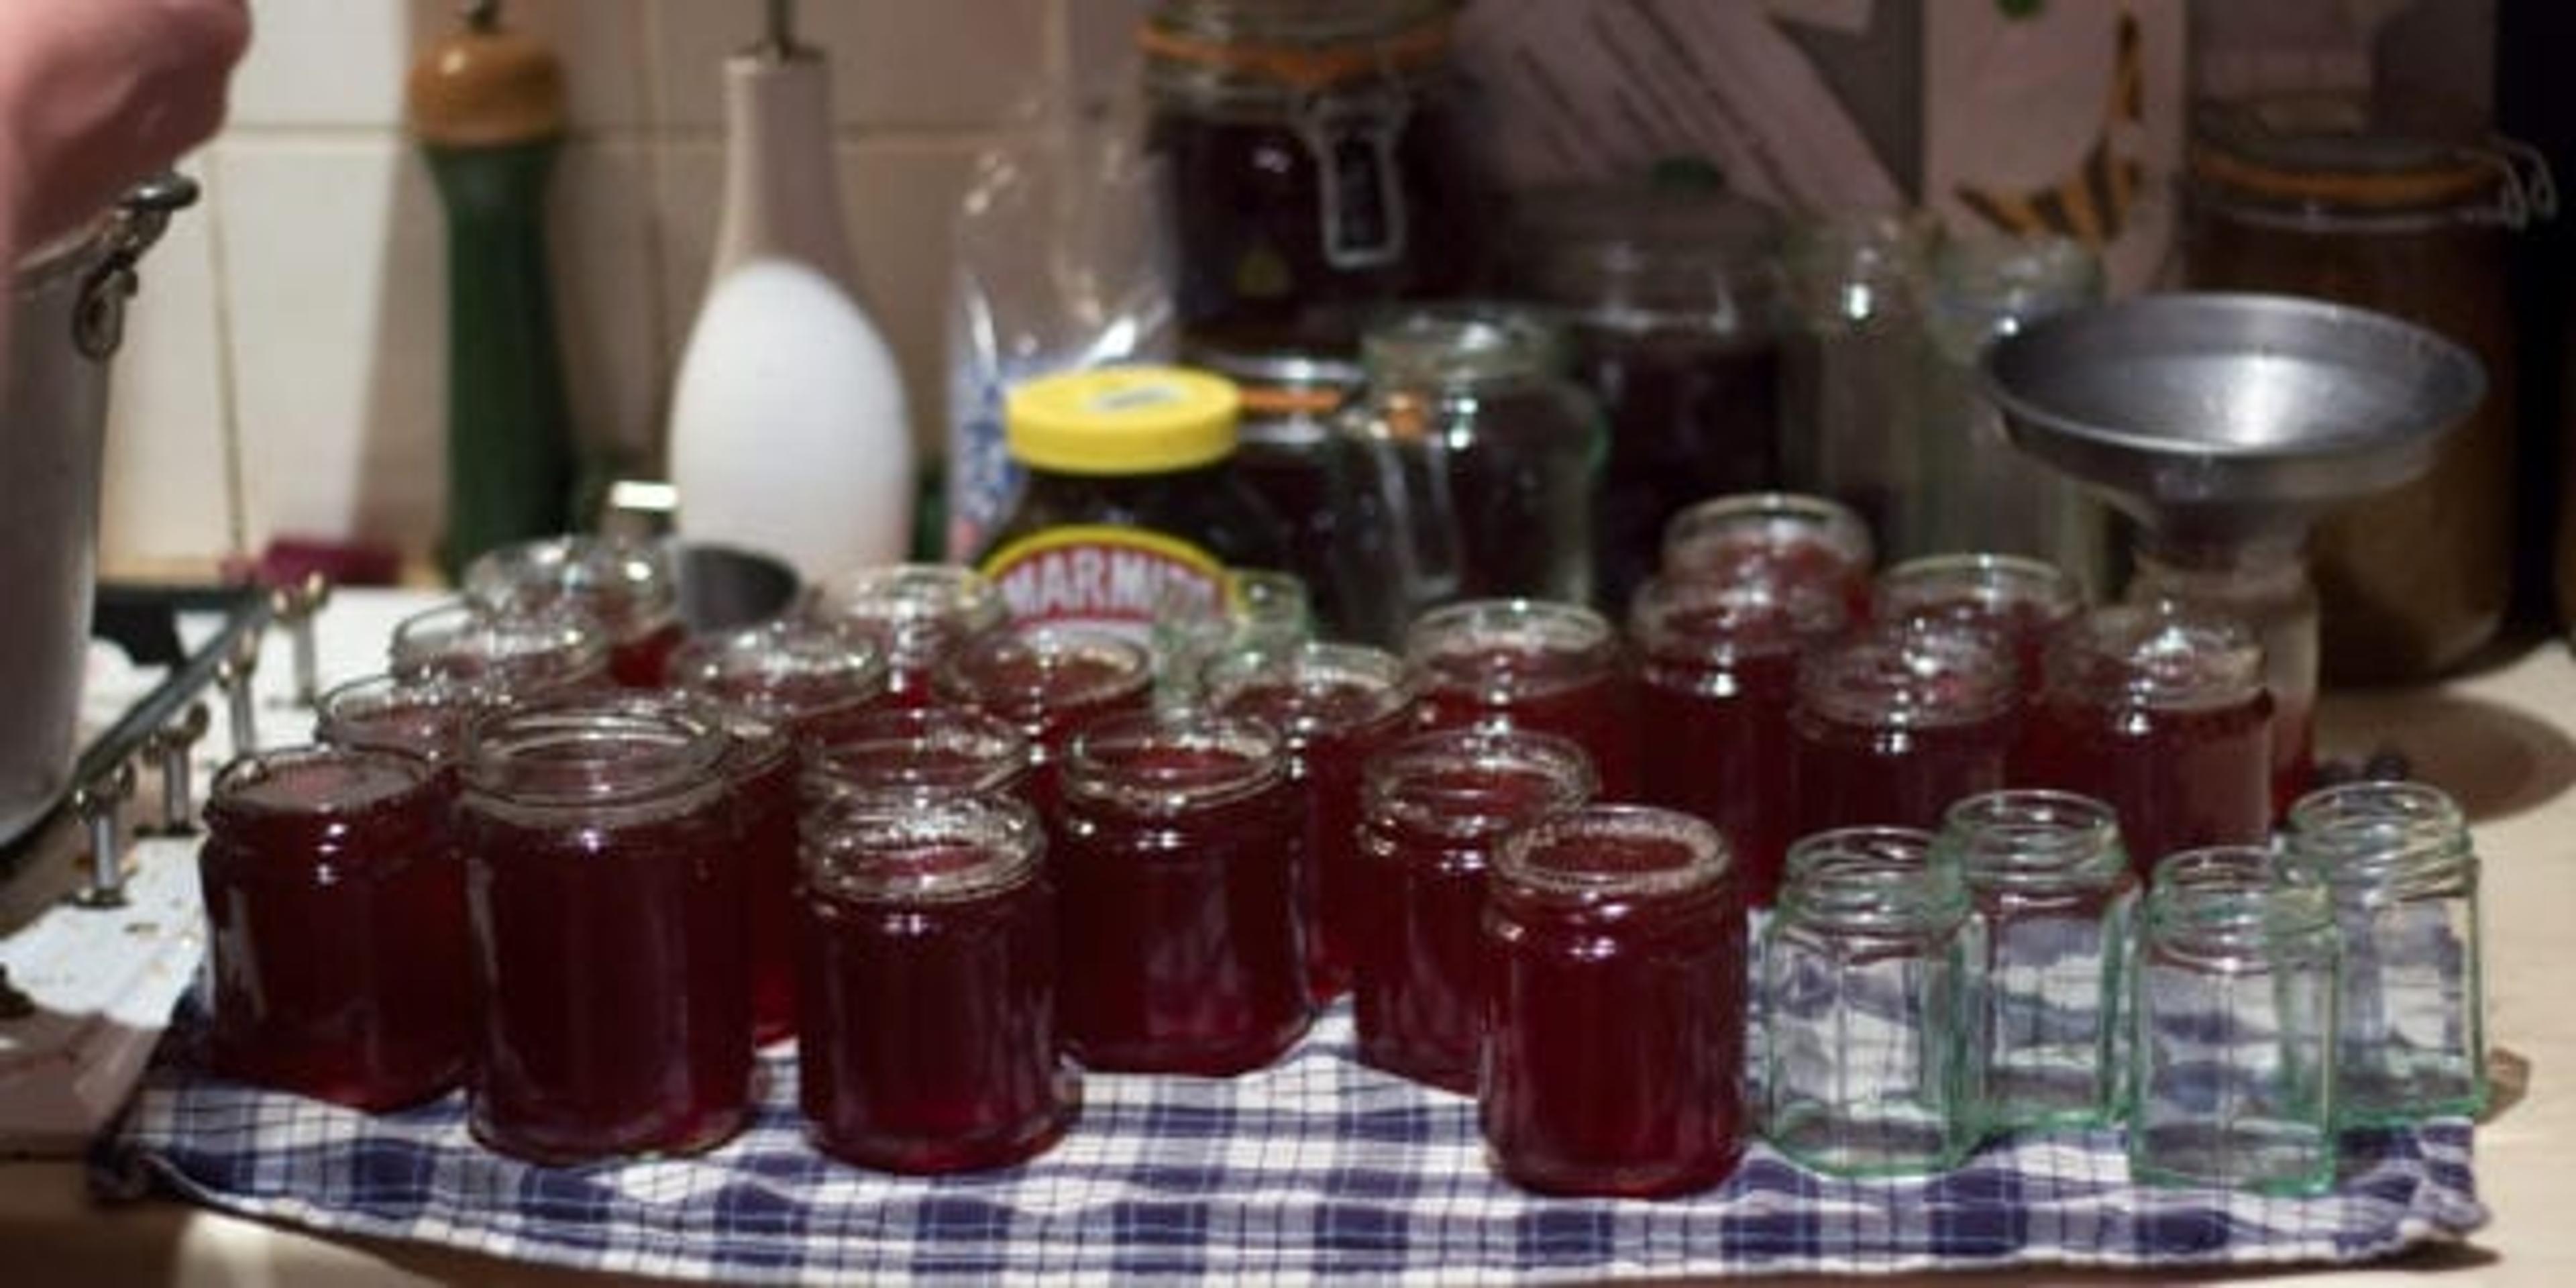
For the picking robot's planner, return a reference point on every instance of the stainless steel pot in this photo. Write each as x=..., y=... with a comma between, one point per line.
x=67, y=316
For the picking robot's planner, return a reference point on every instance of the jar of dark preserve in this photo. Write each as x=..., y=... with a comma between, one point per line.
x=1287, y=454
x=1336, y=705
x=1615, y=1014
x=1774, y=536
x=613, y=977
x=2020, y=600
x=521, y=654
x=1893, y=725
x=1438, y=806
x=928, y=1000
x=424, y=716
x=916, y=753
x=1528, y=664
x=335, y=909
x=1176, y=891
x=1130, y=499
x=627, y=588
x=916, y=615
x=1670, y=297
x=1313, y=171
x=1048, y=682
x=1469, y=468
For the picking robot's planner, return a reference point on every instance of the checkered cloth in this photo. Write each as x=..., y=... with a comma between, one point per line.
x=1317, y=1166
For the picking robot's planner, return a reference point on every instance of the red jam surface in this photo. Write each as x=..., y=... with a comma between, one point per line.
x=1616, y=1007
x=1542, y=667
x=336, y=908
x=1776, y=538
x=1891, y=727
x=928, y=995
x=1439, y=805
x=1049, y=683
x=1176, y=898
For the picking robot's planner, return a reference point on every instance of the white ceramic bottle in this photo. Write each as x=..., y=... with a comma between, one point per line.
x=789, y=432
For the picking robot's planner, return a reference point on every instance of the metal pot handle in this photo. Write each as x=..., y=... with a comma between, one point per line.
x=98, y=317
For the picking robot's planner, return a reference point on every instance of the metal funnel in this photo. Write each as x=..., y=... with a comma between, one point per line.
x=2229, y=419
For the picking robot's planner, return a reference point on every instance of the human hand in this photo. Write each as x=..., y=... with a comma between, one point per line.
x=96, y=94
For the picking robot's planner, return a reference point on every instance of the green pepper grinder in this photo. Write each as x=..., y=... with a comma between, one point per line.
x=488, y=107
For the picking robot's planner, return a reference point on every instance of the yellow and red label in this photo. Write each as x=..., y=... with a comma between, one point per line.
x=1099, y=575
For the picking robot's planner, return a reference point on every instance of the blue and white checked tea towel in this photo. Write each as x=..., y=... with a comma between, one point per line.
x=1315, y=1167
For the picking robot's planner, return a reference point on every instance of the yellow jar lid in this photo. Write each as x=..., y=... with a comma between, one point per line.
x=1123, y=420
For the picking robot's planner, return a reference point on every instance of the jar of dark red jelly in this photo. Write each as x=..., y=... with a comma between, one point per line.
x=1774, y=536
x=1893, y=725
x=610, y=920
x=2160, y=711
x=928, y=997
x=916, y=615
x=1336, y=705
x=1528, y=664
x=424, y=716
x=521, y=654
x=1313, y=169
x=909, y=753
x=628, y=588
x=1717, y=674
x=1437, y=807
x=1615, y=1011
x=775, y=683
x=1048, y=682
x=1176, y=890
x=1669, y=296
x=335, y=906
x=2020, y=600
x=1285, y=452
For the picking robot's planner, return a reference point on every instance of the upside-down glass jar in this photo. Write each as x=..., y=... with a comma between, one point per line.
x=1893, y=725
x=1049, y=682
x=2233, y=1056
x=2054, y=900
x=628, y=588
x=916, y=615
x=1529, y=664
x=1868, y=969
x=1437, y=807
x=914, y=753
x=521, y=654
x=613, y=976
x=1615, y=1007
x=1336, y=705
x=928, y=1000
x=2411, y=1028
x=1176, y=887
x=1717, y=674
x=336, y=941
x=425, y=715
x=1774, y=536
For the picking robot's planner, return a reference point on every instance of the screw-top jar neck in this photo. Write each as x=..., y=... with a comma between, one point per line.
x=628, y=587
x=785, y=671
x=1505, y=650
x=1989, y=587
x=525, y=653
x=1641, y=258
x=1167, y=763
x=2233, y=899
x=918, y=752
x=2325, y=163
x=2033, y=840
x=1872, y=881
x=424, y=716
x=2170, y=656
x=1461, y=347
x=1027, y=673
x=1312, y=690
x=1748, y=534
x=314, y=783
x=1603, y=854
x=915, y=614
x=613, y=756
x=2395, y=837
x=942, y=850
x=1687, y=621
x=1473, y=785
x=1926, y=675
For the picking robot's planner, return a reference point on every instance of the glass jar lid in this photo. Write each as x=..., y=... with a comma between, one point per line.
x=1276, y=51
x=2315, y=159
x=1641, y=256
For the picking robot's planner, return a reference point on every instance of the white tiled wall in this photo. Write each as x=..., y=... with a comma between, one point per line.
x=285, y=370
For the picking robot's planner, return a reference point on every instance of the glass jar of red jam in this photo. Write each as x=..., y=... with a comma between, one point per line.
x=335, y=907
x=628, y=588
x=1717, y=674
x=1048, y=682
x=1528, y=664
x=1336, y=705
x=908, y=753
x=917, y=615
x=1772, y=536
x=1437, y=806
x=2160, y=710
x=2266, y=586
x=1893, y=725
x=1285, y=451
x=2020, y=600
x=424, y=716
x=928, y=997
x=613, y=976
x=1176, y=890
x=521, y=654
x=1615, y=1011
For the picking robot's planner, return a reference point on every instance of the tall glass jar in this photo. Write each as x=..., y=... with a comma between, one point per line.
x=1867, y=987
x=612, y=972
x=2314, y=196
x=1615, y=1006
x=1528, y=664
x=2411, y=1030
x=916, y=615
x=2233, y=1058
x=629, y=589
x=1472, y=466
x=1312, y=169
x=1851, y=362
x=1671, y=300
x=1891, y=726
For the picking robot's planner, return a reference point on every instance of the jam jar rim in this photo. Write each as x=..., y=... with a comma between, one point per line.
x=224, y=804
x=699, y=667
x=1891, y=693
x=1568, y=770
x=1087, y=775
x=1991, y=580
x=1378, y=671
x=1803, y=616
x=1561, y=629
x=1461, y=345
x=1135, y=668
x=2217, y=659
x=2403, y=839
x=576, y=634
x=687, y=775
x=2045, y=839
x=2231, y=898
x=1011, y=842
x=531, y=572
x=1871, y=889
x=1707, y=860
x=1841, y=527
x=472, y=698
x=933, y=727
